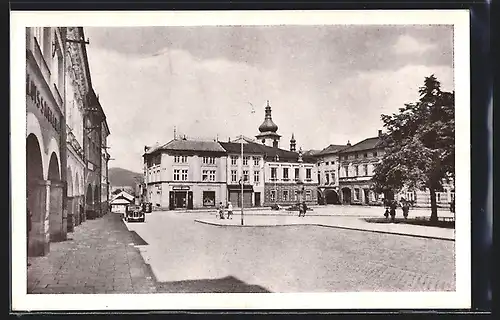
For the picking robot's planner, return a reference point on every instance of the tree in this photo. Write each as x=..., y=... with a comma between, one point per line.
x=419, y=144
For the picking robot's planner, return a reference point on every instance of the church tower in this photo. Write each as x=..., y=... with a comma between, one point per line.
x=268, y=128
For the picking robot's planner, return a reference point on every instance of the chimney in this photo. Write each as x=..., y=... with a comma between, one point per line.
x=146, y=148
x=379, y=133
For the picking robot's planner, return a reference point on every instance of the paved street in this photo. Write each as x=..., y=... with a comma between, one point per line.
x=186, y=256
x=99, y=258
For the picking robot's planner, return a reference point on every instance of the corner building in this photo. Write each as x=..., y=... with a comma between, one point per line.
x=185, y=174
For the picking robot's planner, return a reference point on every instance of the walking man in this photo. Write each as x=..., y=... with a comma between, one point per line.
x=229, y=210
x=221, y=210
x=304, y=208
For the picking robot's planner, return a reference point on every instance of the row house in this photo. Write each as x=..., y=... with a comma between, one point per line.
x=185, y=174
x=58, y=103
x=327, y=162
x=356, y=169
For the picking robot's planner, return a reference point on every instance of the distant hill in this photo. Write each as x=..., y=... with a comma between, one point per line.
x=123, y=177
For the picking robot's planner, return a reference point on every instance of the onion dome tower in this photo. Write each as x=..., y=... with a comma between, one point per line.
x=293, y=144
x=268, y=129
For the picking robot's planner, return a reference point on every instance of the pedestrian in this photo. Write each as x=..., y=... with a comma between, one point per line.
x=229, y=210
x=221, y=210
x=406, y=208
x=300, y=209
x=386, y=214
x=304, y=208
x=393, y=210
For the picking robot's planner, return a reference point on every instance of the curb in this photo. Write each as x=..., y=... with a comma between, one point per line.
x=327, y=226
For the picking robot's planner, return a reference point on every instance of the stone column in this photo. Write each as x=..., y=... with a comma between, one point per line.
x=38, y=203
x=57, y=218
x=71, y=218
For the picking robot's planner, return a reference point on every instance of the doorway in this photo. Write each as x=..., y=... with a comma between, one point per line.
x=257, y=199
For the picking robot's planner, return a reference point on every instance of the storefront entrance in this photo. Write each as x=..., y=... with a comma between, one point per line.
x=181, y=199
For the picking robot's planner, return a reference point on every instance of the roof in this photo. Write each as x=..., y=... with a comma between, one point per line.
x=333, y=148
x=248, y=147
x=189, y=145
x=124, y=195
x=120, y=200
x=311, y=153
x=367, y=144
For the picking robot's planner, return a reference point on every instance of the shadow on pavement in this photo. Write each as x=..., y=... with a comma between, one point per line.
x=228, y=284
x=137, y=239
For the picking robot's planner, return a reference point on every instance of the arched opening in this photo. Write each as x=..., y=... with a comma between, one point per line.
x=34, y=191
x=56, y=197
x=70, y=190
x=331, y=197
x=346, y=195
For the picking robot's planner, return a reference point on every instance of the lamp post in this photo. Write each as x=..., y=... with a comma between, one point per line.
x=241, y=143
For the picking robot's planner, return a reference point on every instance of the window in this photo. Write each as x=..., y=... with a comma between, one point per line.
x=297, y=173
x=296, y=195
x=233, y=175
x=204, y=175
x=327, y=177
x=273, y=195
x=245, y=176
x=375, y=154
x=208, y=160
x=327, y=163
x=285, y=173
x=256, y=176
x=356, y=194
x=184, y=174
x=333, y=177
x=438, y=196
x=346, y=170
x=308, y=174
x=177, y=159
x=285, y=195
x=234, y=160
x=319, y=178
x=256, y=161
x=366, y=155
x=208, y=198
x=274, y=173
x=212, y=175
x=245, y=161
x=308, y=195
x=184, y=159
x=177, y=174
x=365, y=167
x=356, y=155
x=356, y=170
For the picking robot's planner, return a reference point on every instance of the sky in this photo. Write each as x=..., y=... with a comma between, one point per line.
x=326, y=84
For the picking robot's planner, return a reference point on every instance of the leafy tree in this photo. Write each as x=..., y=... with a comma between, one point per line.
x=420, y=144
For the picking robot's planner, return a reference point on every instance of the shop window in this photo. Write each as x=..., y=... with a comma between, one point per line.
x=308, y=195
x=208, y=198
x=356, y=194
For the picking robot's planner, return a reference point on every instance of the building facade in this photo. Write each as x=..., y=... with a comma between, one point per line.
x=327, y=163
x=76, y=90
x=249, y=169
x=185, y=174
x=357, y=164
x=45, y=138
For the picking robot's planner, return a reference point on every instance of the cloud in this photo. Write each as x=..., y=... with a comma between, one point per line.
x=146, y=95
x=409, y=45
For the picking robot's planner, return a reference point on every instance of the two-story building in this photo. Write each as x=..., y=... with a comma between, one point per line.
x=327, y=162
x=357, y=164
x=185, y=174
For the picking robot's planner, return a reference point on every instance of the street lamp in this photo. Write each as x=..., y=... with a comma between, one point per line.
x=241, y=143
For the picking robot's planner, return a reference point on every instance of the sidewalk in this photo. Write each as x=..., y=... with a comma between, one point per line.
x=98, y=257
x=342, y=222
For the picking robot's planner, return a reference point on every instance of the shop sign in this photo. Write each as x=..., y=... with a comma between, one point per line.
x=90, y=166
x=41, y=104
x=180, y=188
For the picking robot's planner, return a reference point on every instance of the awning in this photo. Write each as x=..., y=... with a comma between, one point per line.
x=237, y=187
